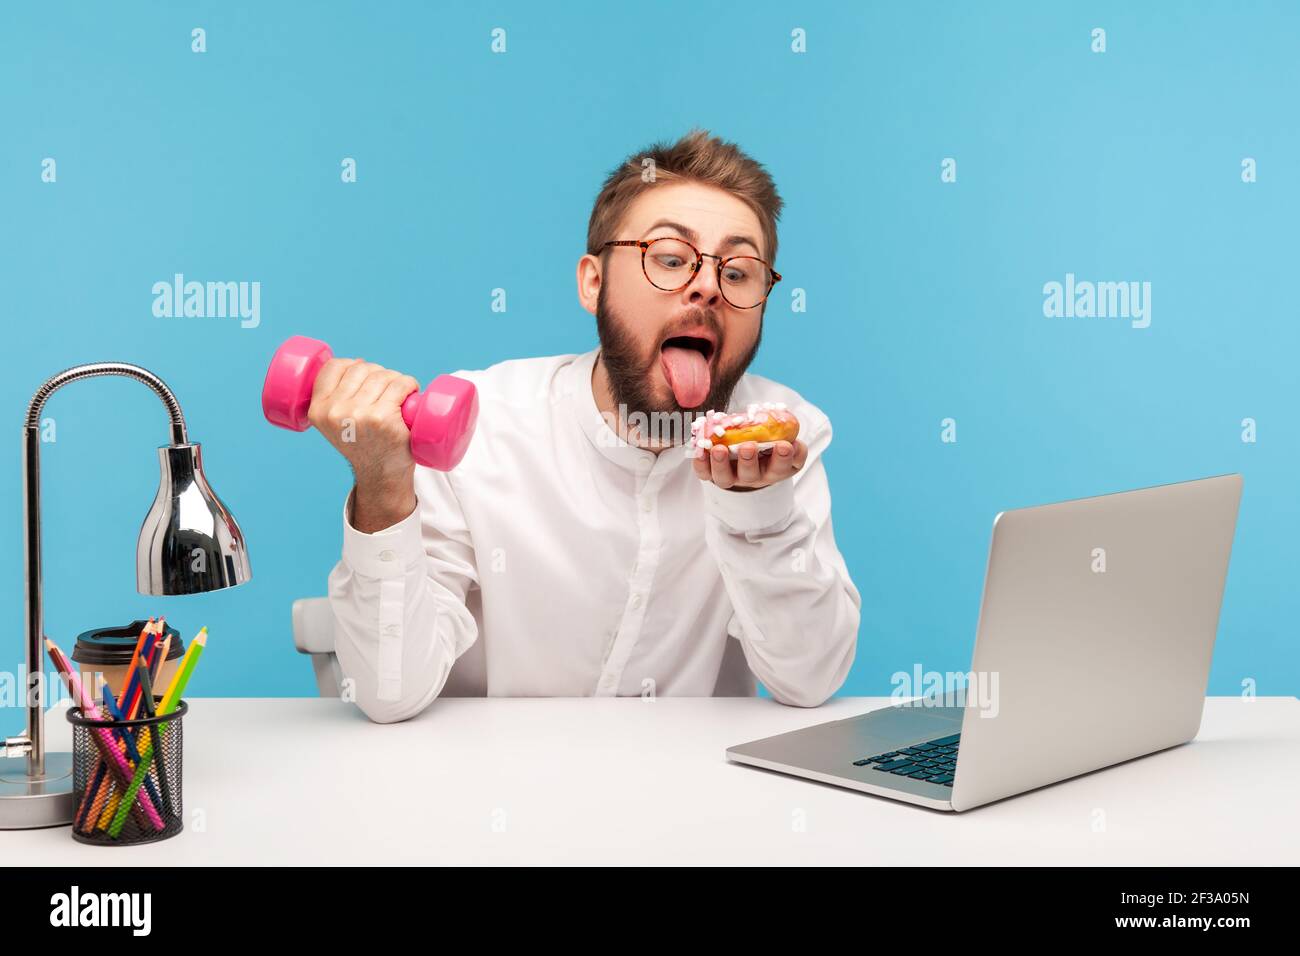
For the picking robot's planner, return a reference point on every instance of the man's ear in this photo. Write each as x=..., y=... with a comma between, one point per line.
x=589, y=278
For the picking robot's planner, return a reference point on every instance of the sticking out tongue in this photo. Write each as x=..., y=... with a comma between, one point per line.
x=687, y=372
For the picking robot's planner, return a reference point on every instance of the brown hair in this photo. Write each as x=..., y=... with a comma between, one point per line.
x=696, y=157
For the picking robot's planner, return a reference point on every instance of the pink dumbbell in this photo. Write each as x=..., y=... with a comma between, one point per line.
x=441, y=418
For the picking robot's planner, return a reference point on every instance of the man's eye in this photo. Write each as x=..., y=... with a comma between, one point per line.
x=670, y=262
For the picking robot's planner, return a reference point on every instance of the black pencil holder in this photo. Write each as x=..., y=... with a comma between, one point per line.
x=105, y=758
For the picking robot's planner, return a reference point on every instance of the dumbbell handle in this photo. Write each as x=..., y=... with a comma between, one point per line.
x=441, y=418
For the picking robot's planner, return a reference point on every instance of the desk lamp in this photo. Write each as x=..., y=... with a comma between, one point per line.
x=189, y=543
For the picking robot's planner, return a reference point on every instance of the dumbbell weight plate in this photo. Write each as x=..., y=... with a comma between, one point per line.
x=442, y=420
x=286, y=393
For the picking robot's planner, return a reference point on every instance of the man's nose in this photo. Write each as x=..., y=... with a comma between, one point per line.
x=703, y=289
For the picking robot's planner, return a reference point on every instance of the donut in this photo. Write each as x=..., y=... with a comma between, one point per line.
x=760, y=422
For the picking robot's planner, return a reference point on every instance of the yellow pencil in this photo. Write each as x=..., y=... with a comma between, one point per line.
x=182, y=675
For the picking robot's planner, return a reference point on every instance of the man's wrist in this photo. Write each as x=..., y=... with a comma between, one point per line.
x=769, y=506
x=382, y=504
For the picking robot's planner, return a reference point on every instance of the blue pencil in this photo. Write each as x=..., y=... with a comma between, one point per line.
x=129, y=738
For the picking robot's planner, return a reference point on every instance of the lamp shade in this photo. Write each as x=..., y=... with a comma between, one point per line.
x=189, y=542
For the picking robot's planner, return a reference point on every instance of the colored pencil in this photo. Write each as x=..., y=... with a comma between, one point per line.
x=102, y=737
x=190, y=661
x=128, y=738
x=146, y=700
x=156, y=665
x=144, y=646
x=131, y=699
x=139, y=645
x=98, y=784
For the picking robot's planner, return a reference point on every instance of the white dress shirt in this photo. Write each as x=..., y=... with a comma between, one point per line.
x=576, y=564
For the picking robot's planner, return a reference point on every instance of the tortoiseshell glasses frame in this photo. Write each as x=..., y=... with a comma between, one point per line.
x=773, y=277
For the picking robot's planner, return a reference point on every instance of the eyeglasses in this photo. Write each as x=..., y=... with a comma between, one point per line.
x=671, y=264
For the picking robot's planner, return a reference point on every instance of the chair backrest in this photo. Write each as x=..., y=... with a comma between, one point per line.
x=313, y=634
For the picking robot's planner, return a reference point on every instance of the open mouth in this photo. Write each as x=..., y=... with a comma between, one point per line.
x=696, y=343
x=686, y=362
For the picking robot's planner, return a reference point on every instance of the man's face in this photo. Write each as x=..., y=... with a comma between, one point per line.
x=677, y=352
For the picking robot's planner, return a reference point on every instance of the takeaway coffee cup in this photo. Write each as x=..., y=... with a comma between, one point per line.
x=104, y=654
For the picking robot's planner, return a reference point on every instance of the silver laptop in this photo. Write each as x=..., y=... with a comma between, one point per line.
x=1093, y=647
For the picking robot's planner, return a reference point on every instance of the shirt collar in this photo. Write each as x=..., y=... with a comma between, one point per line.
x=602, y=437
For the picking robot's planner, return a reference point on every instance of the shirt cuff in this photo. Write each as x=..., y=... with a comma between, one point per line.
x=383, y=554
x=743, y=511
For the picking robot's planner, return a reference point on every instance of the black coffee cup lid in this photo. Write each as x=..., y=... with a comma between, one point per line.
x=114, y=646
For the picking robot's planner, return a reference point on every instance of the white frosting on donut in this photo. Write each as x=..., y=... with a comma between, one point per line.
x=713, y=423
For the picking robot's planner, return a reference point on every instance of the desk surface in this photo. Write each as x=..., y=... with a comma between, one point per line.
x=623, y=780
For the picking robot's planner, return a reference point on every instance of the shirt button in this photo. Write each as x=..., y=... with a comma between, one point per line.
x=646, y=505
x=636, y=600
x=644, y=464
x=386, y=555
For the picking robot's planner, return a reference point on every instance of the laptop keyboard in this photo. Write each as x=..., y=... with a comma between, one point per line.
x=934, y=761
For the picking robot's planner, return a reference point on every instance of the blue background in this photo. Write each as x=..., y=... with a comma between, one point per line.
x=924, y=298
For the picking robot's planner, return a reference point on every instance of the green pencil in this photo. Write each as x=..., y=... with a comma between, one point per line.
x=166, y=707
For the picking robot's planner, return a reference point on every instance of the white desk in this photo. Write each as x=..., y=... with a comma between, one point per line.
x=622, y=780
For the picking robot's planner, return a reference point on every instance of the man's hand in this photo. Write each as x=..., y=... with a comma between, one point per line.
x=749, y=471
x=357, y=406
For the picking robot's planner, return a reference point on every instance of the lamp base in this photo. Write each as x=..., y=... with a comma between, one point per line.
x=27, y=802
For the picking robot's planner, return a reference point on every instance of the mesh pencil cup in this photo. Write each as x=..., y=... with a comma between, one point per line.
x=126, y=775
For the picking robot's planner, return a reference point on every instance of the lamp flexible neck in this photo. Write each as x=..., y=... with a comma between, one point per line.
x=97, y=369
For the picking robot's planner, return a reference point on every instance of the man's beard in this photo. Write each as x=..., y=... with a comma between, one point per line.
x=631, y=374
